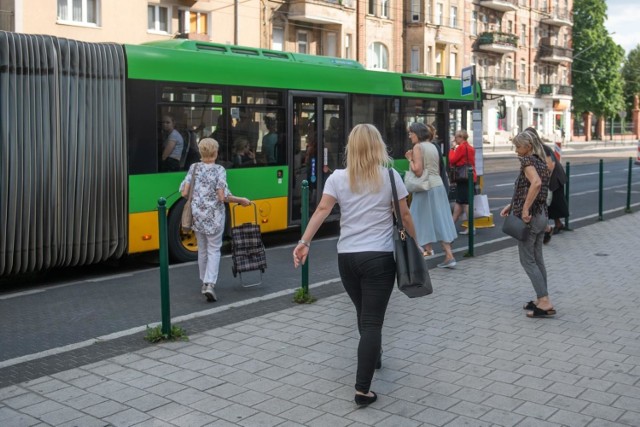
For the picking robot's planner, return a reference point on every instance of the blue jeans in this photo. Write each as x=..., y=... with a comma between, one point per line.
x=531, y=259
x=368, y=278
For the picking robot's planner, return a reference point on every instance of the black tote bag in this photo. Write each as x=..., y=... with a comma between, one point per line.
x=412, y=273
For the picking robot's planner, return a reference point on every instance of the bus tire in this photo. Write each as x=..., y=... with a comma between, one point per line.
x=183, y=246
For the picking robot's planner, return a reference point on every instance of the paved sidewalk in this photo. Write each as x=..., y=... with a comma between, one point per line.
x=466, y=355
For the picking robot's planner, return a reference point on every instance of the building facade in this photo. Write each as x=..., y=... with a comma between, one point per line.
x=521, y=48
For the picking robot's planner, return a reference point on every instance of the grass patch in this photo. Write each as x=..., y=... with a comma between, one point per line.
x=302, y=297
x=155, y=335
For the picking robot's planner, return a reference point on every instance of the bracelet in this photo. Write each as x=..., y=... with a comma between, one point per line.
x=307, y=244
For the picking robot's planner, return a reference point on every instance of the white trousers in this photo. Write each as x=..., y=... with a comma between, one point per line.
x=209, y=255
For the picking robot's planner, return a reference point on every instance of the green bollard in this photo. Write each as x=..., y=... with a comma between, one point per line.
x=164, y=267
x=628, y=209
x=566, y=195
x=305, y=221
x=601, y=190
x=470, y=219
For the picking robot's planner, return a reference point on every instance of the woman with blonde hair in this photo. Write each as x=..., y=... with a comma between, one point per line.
x=530, y=204
x=365, y=246
x=210, y=192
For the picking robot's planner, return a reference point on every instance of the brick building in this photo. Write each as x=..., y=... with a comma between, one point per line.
x=521, y=48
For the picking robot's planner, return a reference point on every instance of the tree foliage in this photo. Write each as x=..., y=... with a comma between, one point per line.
x=631, y=75
x=597, y=82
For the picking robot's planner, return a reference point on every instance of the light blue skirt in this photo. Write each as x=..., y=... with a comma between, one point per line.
x=432, y=216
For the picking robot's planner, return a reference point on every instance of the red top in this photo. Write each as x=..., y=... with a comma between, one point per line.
x=464, y=154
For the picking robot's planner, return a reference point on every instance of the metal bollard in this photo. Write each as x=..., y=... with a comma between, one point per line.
x=601, y=190
x=303, y=225
x=566, y=195
x=470, y=219
x=164, y=267
x=628, y=209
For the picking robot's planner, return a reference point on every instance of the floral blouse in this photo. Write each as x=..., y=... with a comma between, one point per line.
x=208, y=212
x=522, y=187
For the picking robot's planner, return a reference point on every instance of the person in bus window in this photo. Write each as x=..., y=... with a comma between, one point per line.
x=270, y=141
x=243, y=156
x=172, y=145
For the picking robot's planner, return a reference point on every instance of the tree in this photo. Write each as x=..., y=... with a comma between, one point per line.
x=631, y=75
x=597, y=82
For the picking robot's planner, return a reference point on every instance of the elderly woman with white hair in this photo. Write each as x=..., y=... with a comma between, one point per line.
x=210, y=192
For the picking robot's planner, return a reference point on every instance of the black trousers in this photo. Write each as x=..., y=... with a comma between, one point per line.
x=368, y=278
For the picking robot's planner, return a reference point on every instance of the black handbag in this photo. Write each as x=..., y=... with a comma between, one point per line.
x=412, y=273
x=459, y=173
x=515, y=227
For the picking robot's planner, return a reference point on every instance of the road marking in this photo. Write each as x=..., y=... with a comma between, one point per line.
x=115, y=276
x=21, y=294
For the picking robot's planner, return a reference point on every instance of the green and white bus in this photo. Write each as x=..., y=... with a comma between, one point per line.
x=81, y=136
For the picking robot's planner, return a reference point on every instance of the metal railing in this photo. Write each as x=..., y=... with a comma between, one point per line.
x=499, y=83
x=550, y=50
x=554, y=89
x=497, y=37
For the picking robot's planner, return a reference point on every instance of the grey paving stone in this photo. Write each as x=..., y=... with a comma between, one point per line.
x=128, y=417
x=570, y=419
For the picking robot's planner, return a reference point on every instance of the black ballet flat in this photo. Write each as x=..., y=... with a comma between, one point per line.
x=363, y=400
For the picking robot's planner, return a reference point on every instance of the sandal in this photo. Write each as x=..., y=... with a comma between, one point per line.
x=529, y=306
x=427, y=253
x=547, y=237
x=538, y=312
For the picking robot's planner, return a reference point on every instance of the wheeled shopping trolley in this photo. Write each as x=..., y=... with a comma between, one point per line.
x=247, y=249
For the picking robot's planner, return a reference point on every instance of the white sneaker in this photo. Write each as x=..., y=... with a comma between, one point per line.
x=448, y=264
x=210, y=293
x=203, y=289
x=466, y=231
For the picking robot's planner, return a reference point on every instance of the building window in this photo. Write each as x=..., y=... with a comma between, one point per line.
x=79, y=11
x=453, y=63
x=415, y=59
x=371, y=10
x=523, y=73
x=415, y=10
x=535, y=76
x=474, y=22
x=429, y=12
x=277, y=38
x=510, y=27
x=384, y=6
x=193, y=22
x=523, y=35
x=347, y=46
x=439, y=13
x=536, y=37
x=439, y=62
x=427, y=61
x=159, y=18
x=508, y=70
x=453, y=18
x=332, y=44
x=485, y=22
x=378, y=56
x=302, y=42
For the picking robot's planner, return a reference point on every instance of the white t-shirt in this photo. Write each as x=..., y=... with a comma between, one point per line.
x=366, y=220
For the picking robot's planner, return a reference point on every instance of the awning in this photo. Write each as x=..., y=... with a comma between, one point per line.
x=561, y=105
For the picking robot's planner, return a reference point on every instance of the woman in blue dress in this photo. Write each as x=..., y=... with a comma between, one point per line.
x=430, y=209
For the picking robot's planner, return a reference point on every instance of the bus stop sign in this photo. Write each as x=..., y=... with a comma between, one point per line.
x=467, y=81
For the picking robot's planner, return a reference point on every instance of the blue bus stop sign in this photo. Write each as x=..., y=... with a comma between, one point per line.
x=467, y=81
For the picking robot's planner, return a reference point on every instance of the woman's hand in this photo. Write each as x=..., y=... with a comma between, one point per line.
x=300, y=253
x=244, y=201
x=505, y=211
x=409, y=155
x=526, y=216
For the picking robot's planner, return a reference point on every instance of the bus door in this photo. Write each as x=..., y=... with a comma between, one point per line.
x=318, y=133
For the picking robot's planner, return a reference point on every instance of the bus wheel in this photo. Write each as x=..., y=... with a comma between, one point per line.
x=183, y=246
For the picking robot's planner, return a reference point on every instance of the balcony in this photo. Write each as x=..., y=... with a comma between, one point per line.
x=554, y=91
x=501, y=5
x=558, y=18
x=555, y=54
x=322, y=11
x=497, y=42
x=498, y=84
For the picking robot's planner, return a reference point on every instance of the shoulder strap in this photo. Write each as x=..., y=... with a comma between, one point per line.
x=395, y=201
x=193, y=181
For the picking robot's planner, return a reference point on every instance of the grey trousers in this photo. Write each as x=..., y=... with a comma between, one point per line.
x=531, y=259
